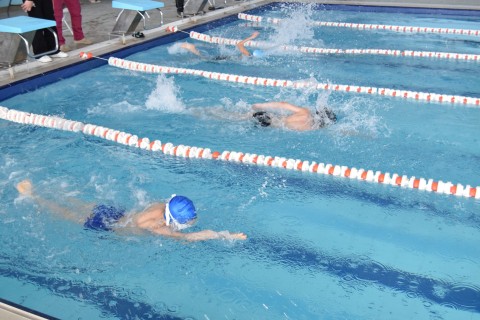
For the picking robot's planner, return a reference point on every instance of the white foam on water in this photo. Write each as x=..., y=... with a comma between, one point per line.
x=121, y=107
x=165, y=97
x=295, y=28
x=357, y=117
x=176, y=48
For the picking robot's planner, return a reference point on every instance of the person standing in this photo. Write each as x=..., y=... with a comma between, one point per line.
x=44, y=40
x=179, y=4
x=75, y=11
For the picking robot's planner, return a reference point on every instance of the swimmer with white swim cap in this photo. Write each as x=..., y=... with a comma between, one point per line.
x=161, y=218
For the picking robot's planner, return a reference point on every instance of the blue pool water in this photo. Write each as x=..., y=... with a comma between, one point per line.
x=319, y=247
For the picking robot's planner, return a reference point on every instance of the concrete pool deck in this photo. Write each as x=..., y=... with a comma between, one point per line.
x=99, y=20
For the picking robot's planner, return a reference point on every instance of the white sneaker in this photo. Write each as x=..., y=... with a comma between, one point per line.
x=60, y=54
x=45, y=59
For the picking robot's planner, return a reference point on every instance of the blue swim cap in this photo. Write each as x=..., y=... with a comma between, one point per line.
x=180, y=209
x=258, y=53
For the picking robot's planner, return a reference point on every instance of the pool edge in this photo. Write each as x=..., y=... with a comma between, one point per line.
x=11, y=311
x=33, y=69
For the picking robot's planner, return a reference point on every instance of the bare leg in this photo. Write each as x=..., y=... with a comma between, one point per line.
x=25, y=188
x=81, y=205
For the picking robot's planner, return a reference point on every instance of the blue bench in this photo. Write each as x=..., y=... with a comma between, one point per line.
x=125, y=23
x=25, y=27
x=24, y=24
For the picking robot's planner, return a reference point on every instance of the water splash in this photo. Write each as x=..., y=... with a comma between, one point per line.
x=262, y=193
x=176, y=48
x=358, y=118
x=103, y=186
x=141, y=196
x=226, y=110
x=165, y=96
x=307, y=97
x=120, y=107
x=240, y=105
x=295, y=27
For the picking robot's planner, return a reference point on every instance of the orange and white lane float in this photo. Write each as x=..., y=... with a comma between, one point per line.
x=184, y=151
x=381, y=52
x=368, y=27
x=267, y=82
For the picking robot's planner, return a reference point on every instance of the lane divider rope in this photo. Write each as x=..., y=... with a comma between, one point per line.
x=367, y=27
x=184, y=151
x=384, y=52
x=394, y=93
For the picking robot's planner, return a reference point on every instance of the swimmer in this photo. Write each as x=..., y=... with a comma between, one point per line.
x=300, y=119
x=241, y=47
x=193, y=49
x=244, y=51
x=162, y=218
x=271, y=114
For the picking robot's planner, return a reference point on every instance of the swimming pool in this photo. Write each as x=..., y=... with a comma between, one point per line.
x=319, y=246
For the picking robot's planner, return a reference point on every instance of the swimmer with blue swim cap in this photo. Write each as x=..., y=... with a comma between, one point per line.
x=258, y=53
x=161, y=218
x=179, y=212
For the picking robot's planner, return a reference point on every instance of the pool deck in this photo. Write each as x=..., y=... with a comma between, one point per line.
x=99, y=20
x=11, y=312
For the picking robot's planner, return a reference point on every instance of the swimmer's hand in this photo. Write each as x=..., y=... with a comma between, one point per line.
x=25, y=188
x=254, y=35
x=232, y=236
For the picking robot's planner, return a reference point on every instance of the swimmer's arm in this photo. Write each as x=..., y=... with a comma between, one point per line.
x=243, y=50
x=197, y=236
x=190, y=47
x=241, y=44
x=278, y=105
